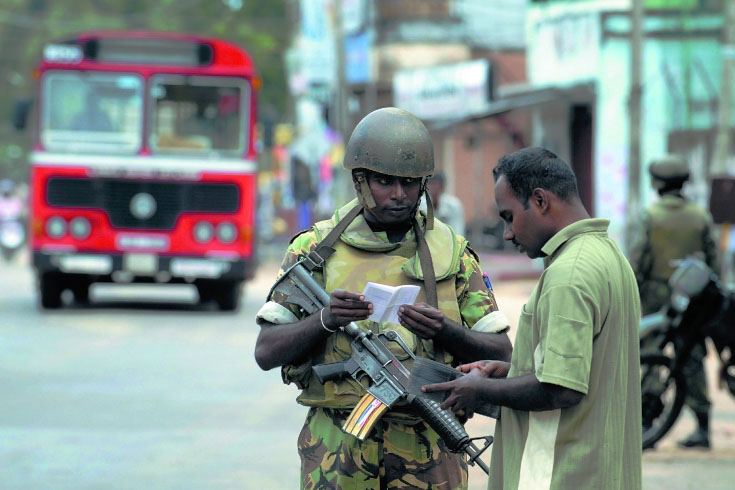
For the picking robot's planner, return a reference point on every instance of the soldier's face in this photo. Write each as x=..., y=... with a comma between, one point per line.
x=395, y=197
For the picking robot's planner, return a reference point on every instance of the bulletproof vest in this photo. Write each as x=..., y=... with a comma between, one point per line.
x=361, y=257
x=677, y=229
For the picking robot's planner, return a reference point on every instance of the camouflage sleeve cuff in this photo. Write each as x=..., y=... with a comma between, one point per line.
x=272, y=312
x=493, y=322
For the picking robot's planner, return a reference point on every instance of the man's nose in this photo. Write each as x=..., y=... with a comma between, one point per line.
x=398, y=192
x=508, y=232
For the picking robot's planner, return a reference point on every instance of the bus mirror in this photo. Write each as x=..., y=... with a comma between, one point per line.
x=20, y=113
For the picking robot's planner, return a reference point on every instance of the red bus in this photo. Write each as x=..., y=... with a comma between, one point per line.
x=143, y=167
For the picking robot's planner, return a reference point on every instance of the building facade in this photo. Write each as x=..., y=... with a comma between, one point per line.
x=582, y=49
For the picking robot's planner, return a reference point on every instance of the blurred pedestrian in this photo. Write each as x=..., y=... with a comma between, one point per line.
x=11, y=204
x=447, y=207
x=673, y=228
x=303, y=192
x=382, y=237
x=12, y=217
x=571, y=394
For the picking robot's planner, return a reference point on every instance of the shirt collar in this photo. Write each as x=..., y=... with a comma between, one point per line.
x=592, y=225
x=672, y=200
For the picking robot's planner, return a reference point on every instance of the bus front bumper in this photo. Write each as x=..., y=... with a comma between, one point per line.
x=143, y=267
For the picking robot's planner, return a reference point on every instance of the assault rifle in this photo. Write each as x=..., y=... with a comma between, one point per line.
x=390, y=381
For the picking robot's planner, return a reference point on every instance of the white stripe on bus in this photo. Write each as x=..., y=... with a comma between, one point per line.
x=145, y=163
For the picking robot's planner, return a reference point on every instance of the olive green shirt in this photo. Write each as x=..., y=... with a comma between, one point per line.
x=579, y=330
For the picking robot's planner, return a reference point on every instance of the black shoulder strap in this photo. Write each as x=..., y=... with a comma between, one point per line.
x=427, y=266
x=316, y=258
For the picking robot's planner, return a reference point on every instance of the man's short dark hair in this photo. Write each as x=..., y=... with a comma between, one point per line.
x=536, y=167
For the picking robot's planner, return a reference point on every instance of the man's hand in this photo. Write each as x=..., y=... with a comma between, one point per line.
x=463, y=392
x=422, y=319
x=345, y=307
x=487, y=369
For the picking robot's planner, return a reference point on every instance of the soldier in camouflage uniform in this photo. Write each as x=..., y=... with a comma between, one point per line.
x=674, y=228
x=390, y=155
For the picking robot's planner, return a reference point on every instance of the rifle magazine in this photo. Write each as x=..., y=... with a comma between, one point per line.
x=364, y=416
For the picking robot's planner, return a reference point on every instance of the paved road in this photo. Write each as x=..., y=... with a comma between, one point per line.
x=166, y=395
x=160, y=397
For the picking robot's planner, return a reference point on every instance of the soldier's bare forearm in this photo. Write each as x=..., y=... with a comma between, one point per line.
x=290, y=343
x=467, y=345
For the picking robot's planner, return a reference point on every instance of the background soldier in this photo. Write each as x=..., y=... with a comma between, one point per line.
x=381, y=238
x=673, y=228
x=447, y=207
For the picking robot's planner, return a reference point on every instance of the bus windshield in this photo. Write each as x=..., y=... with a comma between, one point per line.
x=92, y=112
x=195, y=114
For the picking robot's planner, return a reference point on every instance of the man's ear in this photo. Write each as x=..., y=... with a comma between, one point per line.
x=540, y=200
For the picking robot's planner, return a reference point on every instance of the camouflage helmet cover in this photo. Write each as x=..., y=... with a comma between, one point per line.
x=669, y=168
x=391, y=141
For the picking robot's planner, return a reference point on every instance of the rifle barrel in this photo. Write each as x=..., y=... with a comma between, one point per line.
x=306, y=278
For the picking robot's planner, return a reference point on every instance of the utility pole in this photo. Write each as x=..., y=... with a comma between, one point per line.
x=634, y=110
x=722, y=141
x=341, y=178
x=478, y=162
x=373, y=74
x=340, y=65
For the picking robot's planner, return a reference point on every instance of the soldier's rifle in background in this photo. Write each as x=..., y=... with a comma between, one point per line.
x=390, y=380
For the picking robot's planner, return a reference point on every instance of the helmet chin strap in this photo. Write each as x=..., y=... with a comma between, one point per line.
x=429, y=205
x=364, y=196
x=429, y=212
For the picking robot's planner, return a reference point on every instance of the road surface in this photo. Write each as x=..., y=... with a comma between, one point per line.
x=164, y=394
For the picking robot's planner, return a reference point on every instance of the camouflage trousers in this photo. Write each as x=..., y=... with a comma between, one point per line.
x=654, y=295
x=697, y=395
x=394, y=455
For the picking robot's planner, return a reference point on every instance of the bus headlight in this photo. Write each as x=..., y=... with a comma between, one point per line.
x=80, y=228
x=226, y=232
x=56, y=227
x=203, y=232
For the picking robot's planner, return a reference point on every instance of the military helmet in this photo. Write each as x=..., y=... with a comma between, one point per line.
x=669, y=168
x=391, y=141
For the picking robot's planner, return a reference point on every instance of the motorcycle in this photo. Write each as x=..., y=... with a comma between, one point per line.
x=12, y=236
x=699, y=307
x=12, y=231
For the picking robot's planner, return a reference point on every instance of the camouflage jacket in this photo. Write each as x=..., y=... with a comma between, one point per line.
x=363, y=255
x=671, y=229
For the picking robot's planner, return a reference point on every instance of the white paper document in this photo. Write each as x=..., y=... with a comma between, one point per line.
x=387, y=299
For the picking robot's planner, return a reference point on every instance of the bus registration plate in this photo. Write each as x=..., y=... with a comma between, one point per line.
x=142, y=264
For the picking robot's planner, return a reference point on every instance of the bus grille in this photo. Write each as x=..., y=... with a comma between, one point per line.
x=114, y=196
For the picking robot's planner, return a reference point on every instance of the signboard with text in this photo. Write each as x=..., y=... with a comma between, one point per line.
x=446, y=91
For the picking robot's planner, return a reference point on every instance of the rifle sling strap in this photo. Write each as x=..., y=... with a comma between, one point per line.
x=316, y=258
x=427, y=267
